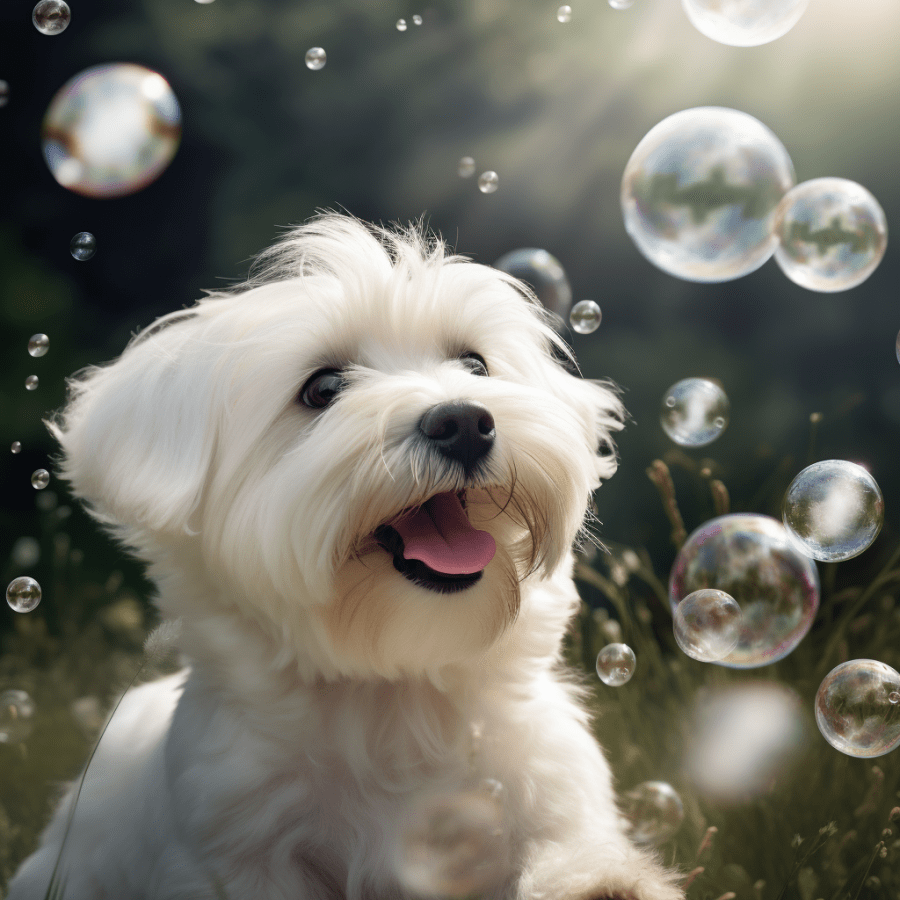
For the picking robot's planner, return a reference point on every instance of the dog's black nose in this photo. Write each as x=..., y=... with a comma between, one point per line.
x=461, y=429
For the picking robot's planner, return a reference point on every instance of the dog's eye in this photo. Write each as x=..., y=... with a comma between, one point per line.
x=321, y=388
x=476, y=363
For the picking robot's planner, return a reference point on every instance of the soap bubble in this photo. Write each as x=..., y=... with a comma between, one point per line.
x=621, y=4
x=401, y=24
x=752, y=558
x=38, y=345
x=417, y=20
x=40, y=478
x=83, y=246
x=564, y=14
x=831, y=234
x=488, y=182
x=744, y=23
x=111, y=130
x=616, y=664
x=701, y=191
x=854, y=710
x=315, y=58
x=23, y=594
x=453, y=845
x=694, y=412
x=51, y=16
x=543, y=273
x=466, y=167
x=16, y=447
x=585, y=317
x=708, y=624
x=16, y=717
x=4, y=92
x=742, y=737
x=25, y=553
x=654, y=812
x=834, y=510
x=31, y=383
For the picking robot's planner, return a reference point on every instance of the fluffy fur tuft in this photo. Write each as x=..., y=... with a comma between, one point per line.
x=328, y=693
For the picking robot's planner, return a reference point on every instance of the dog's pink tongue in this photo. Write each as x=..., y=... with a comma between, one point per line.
x=440, y=535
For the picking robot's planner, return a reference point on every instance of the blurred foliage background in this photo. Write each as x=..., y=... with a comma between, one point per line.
x=556, y=109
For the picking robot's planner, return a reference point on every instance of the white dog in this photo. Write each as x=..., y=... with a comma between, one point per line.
x=357, y=480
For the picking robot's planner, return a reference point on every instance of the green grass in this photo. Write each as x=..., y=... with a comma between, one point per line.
x=826, y=829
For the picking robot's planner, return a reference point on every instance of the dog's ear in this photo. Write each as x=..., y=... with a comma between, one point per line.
x=138, y=434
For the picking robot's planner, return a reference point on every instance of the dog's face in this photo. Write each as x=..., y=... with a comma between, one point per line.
x=369, y=452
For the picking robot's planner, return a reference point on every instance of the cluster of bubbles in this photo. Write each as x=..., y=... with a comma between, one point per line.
x=453, y=845
x=742, y=737
x=83, y=246
x=51, y=16
x=707, y=624
x=694, y=412
x=654, y=812
x=564, y=14
x=543, y=273
x=16, y=716
x=744, y=23
x=111, y=130
x=709, y=195
x=616, y=664
x=751, y=558
x=858, y=708
x=402, y=26
x=488, y=182
x=833, y=510
x=23, y=594
x=315, y=59
x=585, y=317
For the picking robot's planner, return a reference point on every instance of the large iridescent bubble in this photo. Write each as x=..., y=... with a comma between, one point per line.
x=858, y=708
x=700, y=193
x=751, y=557
x=544, y=274
x=111, y=130
x=744, y=23
x=832, y=234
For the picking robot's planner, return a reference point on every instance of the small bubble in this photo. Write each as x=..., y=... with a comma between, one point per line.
x=466, y=169
x=707, y=624
x=417, y=20
x=83, y=246
x=621, y=4
x=31, y=383
x=315, y=58
x=616, y=664
x=51, y=16
x=833, y=510
x=401, y=24
x=894, y=696
x=854, y=710
x=40, y=478
x=654, y=812
x=38, y=345
x=695, y=412
x=585, y=317
x=16, y=447
x=4, y=93
x=564, y=14
x=16, y=715
x=488, y=182
x=46, y=501
x=23, y=594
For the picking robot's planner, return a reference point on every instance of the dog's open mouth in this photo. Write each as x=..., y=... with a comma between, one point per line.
x=436, y=546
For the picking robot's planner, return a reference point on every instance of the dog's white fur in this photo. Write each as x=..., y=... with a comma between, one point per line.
x=326, y=692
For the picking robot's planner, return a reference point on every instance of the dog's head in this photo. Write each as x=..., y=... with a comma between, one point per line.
x=367, y=449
